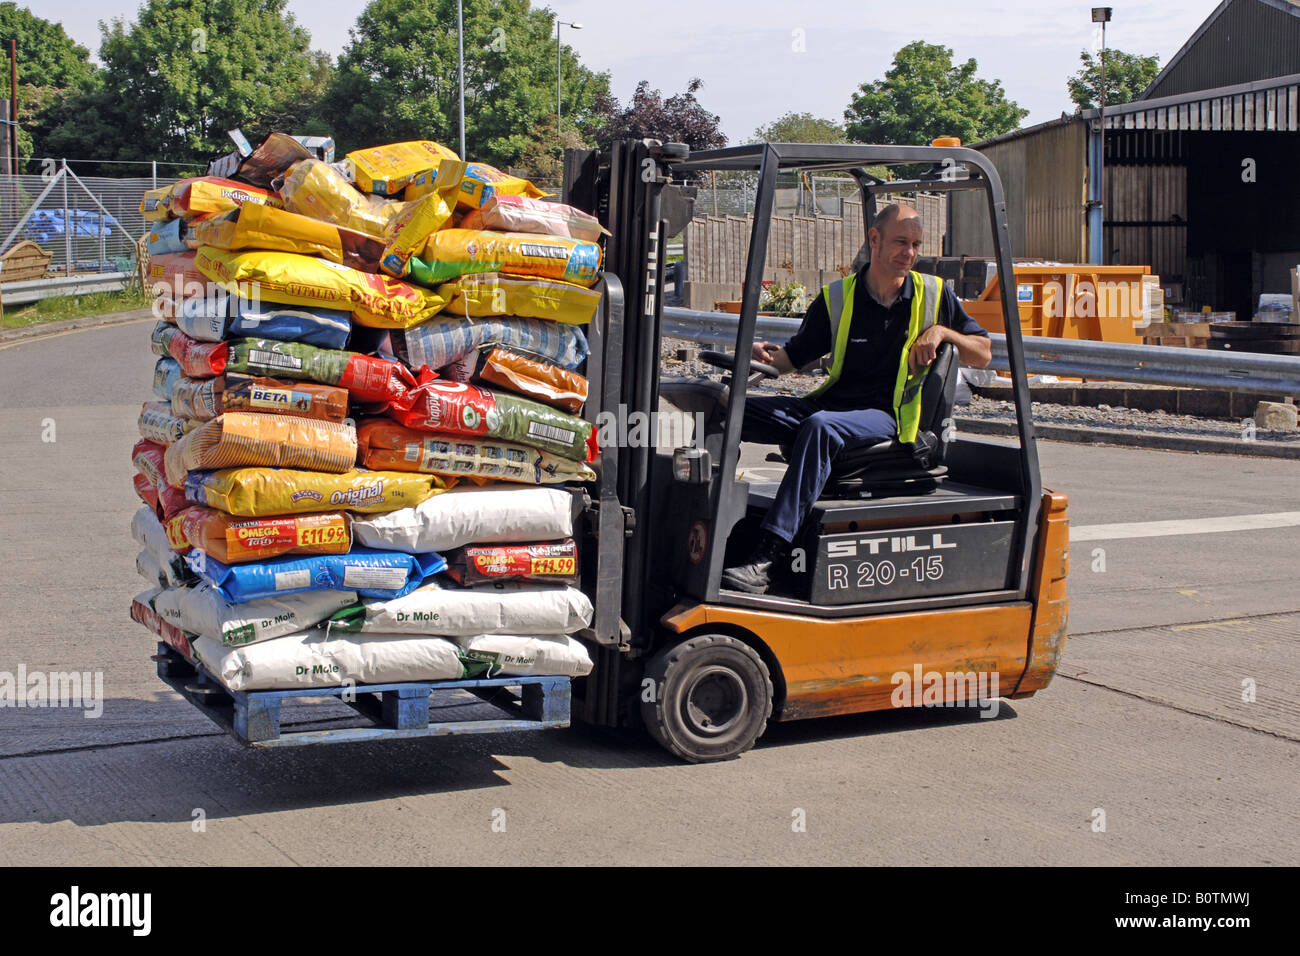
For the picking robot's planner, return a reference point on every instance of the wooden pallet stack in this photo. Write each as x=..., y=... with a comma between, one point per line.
x=1186, y=335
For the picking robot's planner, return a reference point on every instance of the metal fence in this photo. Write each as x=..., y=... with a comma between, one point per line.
x=87, y=223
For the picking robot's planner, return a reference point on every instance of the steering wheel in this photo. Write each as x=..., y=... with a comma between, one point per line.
x=728, y=362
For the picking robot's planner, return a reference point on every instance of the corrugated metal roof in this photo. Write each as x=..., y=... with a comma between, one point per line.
x=1241, y=41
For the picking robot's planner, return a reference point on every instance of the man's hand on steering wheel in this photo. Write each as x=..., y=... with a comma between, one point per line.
x=925, y=348
x=762, y=352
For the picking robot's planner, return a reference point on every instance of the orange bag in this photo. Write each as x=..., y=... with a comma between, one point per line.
x=232, y=540
x=536, y=379
x=236, y=439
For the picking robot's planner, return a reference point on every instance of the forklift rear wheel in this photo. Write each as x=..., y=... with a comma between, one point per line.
x=713, y=696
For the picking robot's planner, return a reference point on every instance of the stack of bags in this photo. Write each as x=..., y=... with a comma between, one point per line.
x=366, y=410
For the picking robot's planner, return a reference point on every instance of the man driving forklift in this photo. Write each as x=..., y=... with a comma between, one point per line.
x=883, y=326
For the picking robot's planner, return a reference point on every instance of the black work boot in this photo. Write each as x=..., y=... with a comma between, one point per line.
x=754, y=578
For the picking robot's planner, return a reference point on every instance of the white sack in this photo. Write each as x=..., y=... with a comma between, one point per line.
x=148, y=532
x=313, y=659
x=204, y=611
x=511, y=608
x=555, y=655
x=471, y=516
x=168, y=605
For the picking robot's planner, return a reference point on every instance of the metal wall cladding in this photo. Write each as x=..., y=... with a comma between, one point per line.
x=1250, y=40
x=1044, y=177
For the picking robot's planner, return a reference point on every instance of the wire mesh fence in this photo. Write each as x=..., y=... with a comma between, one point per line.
x=85, y=223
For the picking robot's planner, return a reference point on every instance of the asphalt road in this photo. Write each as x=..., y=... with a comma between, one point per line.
x=1145, y=721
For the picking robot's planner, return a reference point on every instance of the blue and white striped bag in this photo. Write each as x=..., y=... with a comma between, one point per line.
x=444, y=340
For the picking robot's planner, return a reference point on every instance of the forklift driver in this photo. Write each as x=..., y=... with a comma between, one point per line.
x=883, y=327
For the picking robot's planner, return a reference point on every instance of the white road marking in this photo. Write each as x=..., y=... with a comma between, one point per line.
x=1160, y=529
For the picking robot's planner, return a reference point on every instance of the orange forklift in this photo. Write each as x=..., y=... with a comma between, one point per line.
x=940, y=562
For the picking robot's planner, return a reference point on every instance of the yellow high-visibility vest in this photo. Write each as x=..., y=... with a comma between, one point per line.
x=926, y=293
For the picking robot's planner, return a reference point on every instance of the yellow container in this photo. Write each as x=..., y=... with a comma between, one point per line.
x=1096, y=303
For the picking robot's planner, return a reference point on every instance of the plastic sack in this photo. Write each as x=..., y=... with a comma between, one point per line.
x=168, y=238
x=204, y=611
x=258, y=492
x=205, y=399
x=319, y=191
x=458, y=409
x=158, y=424
x=148, y=532
x=496, y=515
x=366, y=378
x=383, y=444
x=497, y=294
x=233, y=439
x=308, y=325
x=559, y=655
x=168, y=606
x=197, y=359
x=201, y=317
x=456, y=252
x=263, y=227
x=540, y=381
x=377, y=574
x=166, y=373
x=143, y=611
x=156, y=573
x=146, y=490
x=155, y=204
x=176, y=277
x=149, y=460
x=482, y=182
x=525, y=214
x=455, y=612
x=235, y=540
x=320, y=660
x=211, y=194
x=410, y=229
x=442, y=341
x=293, y=279
x=386, y=170
x=551, y=563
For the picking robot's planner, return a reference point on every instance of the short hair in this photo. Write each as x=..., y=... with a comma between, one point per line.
x=890, y=213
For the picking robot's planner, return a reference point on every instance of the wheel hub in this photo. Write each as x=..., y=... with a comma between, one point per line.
x=715, y=701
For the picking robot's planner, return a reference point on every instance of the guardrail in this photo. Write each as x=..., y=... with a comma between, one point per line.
x=1101, y=361
x=33, y=290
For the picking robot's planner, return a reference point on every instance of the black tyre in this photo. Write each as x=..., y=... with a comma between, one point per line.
x=712, y=698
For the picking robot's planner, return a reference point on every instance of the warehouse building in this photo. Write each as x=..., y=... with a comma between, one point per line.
x=1201, y=174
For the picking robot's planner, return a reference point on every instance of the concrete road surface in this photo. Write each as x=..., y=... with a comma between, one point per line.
x=1174, y=718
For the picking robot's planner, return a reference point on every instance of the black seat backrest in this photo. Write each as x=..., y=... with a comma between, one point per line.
x=937, y=394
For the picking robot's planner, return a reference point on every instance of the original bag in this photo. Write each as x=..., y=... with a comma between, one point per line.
x=260, y=492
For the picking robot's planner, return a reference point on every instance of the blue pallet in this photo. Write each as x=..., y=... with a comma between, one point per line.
x=395, y=710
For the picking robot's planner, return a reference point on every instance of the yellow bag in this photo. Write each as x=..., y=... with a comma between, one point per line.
x=258, y=492
x=263, y=227
x=155, y=204
x=318, y=190
x=386, y=170
x=413, y=225
x=292, y=279
x=482, y=182
x=491, y=293
x=456, y=252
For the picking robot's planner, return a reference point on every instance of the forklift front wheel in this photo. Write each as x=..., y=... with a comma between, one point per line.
x=712, y=698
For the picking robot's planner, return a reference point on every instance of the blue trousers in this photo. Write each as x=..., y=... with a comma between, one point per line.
x=814, y=436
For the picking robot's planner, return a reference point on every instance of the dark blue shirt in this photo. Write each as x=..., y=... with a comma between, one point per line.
x=876, y=338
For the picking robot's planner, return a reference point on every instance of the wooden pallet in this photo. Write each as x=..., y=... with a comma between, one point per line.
x=395, y=710
x=1177, y=341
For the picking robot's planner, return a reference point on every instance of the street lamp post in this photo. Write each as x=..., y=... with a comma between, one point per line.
x=460, y=63
x=558, y=24
x=1102, y=15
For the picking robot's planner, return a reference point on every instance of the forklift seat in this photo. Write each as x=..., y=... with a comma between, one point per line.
x=904, y=466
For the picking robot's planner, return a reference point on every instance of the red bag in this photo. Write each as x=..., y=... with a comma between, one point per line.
x=371, y=379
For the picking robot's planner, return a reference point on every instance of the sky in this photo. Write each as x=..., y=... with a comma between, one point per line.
x=760, y=59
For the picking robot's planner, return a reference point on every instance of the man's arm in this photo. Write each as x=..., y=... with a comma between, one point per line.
x=811, y=342
x=772, y=355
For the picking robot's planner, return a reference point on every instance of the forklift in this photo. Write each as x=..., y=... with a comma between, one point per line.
x=941, y=557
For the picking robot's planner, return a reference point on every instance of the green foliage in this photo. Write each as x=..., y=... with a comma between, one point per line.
x=51, y=67
x=800, y=128
x=1127, y=76
x=789, y=298
x=680, y=118
x=924, y=96
x=397, y=79
x=73, y=307
x=184, y=73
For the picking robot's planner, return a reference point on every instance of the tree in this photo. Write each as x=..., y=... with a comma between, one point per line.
x=51, y=68
x=1127, y=76
x=678, y=119
x=187, y=71
x=925, y=96
x=800, y=128
x=543, y=157
x=397, y=79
